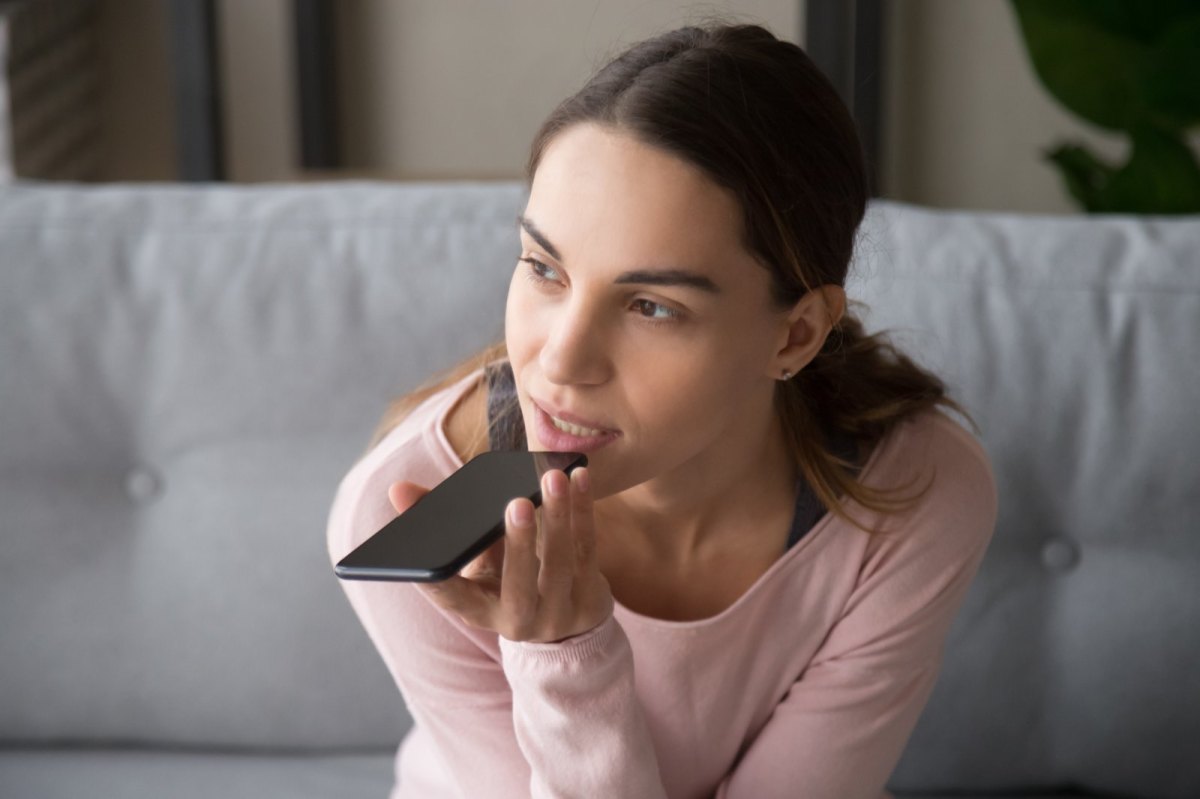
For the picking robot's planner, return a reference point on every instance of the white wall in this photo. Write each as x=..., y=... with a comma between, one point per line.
x=6, y=159
x=258, y=84
x=449, y=89
x=457, y=88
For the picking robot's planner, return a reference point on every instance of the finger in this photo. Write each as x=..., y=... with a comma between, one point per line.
x=558, y=545
x=582, y=520
x=518, y=585
x=404, y=494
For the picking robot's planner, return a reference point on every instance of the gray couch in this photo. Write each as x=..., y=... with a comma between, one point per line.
x=186, y=373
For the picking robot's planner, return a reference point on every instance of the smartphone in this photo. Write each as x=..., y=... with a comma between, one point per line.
x=455, y=522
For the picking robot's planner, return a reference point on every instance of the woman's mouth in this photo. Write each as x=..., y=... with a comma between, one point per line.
x=574, y=429
x=561, y=435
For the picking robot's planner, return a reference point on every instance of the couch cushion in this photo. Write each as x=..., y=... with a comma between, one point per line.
x=187, y=374
x=1075, y=344
x=152, y=774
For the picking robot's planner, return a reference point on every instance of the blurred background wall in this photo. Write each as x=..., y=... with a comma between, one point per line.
x=454, y=89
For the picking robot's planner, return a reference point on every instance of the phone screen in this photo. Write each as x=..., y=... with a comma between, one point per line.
x=455, y=522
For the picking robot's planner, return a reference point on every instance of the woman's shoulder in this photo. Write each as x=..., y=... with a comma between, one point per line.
x=947, y=442
x=933, y=454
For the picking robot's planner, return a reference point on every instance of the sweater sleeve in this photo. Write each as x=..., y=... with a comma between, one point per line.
x=568, y=725
x=840, y=730
x=453, y=688
x=577, y=716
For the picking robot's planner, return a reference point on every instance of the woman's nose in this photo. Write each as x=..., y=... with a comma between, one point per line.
x=574, y=349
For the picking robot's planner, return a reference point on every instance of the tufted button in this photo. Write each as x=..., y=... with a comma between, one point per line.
x=143, y=484
x=1060, y=554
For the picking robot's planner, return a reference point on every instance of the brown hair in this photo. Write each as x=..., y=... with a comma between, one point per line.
x=761, y=120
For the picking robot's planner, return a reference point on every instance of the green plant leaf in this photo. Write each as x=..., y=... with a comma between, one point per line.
x=1172, y=77
x=1093, y=71
x=1161, y=177
x=1084, y=175
x=1143, y=20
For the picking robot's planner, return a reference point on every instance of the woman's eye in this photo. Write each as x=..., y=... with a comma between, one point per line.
x=540, y=271
x=655, y=311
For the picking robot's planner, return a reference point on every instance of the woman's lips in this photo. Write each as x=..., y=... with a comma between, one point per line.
x=577, y=438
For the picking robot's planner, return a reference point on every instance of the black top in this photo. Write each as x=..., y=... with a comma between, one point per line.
x=506, y=431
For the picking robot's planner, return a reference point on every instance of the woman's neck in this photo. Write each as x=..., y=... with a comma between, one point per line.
x=710, y=506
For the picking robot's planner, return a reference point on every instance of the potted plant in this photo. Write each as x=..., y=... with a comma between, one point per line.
x=1131, y=67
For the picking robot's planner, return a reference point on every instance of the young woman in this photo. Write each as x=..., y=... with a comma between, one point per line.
x=747, y=592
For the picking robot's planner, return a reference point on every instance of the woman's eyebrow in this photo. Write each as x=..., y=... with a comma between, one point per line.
x=538, y=235
x=669, y=277
x=648, y=277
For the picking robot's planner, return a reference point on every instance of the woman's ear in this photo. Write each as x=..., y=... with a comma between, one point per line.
x=807, y=326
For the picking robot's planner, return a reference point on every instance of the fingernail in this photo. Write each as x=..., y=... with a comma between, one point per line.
x=554, y=484
x=519, y=513
x=580, y=476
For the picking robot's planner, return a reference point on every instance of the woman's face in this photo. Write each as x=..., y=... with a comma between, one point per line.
x=643, y=326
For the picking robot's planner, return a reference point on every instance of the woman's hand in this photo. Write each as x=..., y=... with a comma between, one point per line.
x=526, y=586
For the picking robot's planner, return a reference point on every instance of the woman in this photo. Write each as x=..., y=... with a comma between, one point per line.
x=747, y=591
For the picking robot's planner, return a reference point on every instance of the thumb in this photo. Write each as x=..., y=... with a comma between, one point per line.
x=404, y=494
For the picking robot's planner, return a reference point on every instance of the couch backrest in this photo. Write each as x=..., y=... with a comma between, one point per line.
x=186, y=373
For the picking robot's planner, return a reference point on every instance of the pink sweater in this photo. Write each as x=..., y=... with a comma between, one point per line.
x=808, y=686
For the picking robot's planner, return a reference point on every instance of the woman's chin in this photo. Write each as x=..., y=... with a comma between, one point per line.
x=610, y=479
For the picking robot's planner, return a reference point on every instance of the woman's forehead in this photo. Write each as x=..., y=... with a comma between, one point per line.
x=594, y=188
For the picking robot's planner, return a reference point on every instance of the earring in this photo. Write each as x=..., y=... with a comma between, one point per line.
x=787, y=375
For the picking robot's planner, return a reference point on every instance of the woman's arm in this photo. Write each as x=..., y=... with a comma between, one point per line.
x=450, y=684
x=578, y=719
x=453, y=688
x=507, y=719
